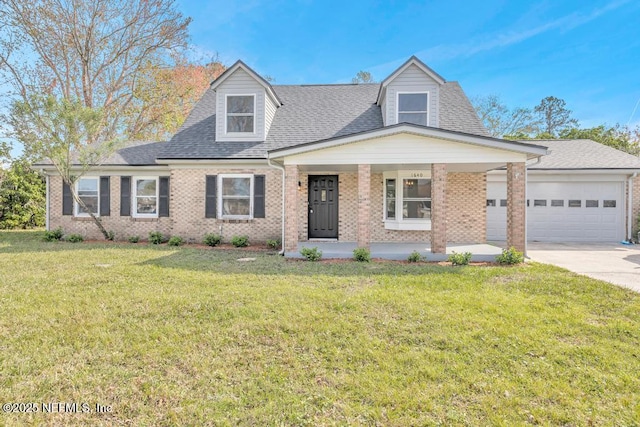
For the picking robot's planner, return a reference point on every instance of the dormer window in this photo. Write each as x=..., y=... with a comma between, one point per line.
x=241, y=113
x=413, y=108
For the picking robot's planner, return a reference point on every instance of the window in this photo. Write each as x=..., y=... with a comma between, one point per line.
x=413, y=108
x=240, y=113
x=491, y=203
x=407, y=201
x=557, y=203
x=236, y=201
x=608, y=203
x=539, y=203
x=145, y=197
x=87, y=189
x=592, y=203
x=503, y=203
x=575, y=203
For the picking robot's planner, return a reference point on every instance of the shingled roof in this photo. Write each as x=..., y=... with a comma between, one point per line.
x=567, y=154
x=309, y=113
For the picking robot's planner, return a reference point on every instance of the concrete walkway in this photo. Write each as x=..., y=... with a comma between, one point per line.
x=612, y=262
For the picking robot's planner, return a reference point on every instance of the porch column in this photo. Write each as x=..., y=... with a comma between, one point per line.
x=291, y=208
x=364, y=206
x=438, y=208
x=516, y=206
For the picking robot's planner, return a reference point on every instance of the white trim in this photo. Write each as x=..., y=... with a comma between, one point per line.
x=239, y=64
x=134, y=196
x=47, y=201
x=255, y=115
x=399, y=222
x=76, y=206
x=427, y=112
x=220, y=197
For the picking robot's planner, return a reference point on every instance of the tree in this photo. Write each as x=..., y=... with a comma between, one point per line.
x=502, y=121
x=553, y=116
x=87, y=51
x=22, y=197
x=65, y=132
x=619, y=137
x=363, y=77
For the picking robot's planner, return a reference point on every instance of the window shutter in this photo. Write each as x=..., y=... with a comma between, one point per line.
x=67, y=199
x=258, y=196
x=125, y=196
x=210, y=205
x=163, y=202
x=105, y=196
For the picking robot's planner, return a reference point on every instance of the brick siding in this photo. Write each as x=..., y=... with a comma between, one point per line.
x=466, y=207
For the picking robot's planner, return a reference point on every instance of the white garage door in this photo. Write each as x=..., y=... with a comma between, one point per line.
x=562, y=211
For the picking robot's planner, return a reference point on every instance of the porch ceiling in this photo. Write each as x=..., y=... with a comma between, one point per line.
x=379, y=168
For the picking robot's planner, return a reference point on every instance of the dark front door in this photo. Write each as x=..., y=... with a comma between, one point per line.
x=323, y=207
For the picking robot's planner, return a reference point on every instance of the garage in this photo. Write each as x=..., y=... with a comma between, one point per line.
x=563, y=208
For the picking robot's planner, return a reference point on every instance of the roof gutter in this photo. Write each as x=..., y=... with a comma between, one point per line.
x=630, y=208
x=281, y=168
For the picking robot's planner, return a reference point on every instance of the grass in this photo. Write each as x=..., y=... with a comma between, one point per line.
x=183, y=336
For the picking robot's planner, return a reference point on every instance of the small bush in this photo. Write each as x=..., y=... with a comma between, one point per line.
x=175, y=241
x=240, y=241
x=510, y=256
x=414, y=257
x=74, y=238
x=362, y=254
x=212, y=239
x=53, y=235
x=311, y=254
x=111, y=235
x=460, y=259
x=134, y=239
x=155, y=237
x=273, y=243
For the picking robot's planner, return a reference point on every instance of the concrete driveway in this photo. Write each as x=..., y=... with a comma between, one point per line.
x=612, y=262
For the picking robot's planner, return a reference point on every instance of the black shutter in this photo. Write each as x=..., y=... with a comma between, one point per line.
x=258, y=196
x=105, y=196
x=67, y=199
x=163, y=202
x=125, y=196
x=210, y=197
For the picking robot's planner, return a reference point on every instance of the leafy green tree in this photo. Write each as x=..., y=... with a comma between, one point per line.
x=553, y=116
x=363, y=77
x=502, y=121
x=22, y=197
x=619, y=137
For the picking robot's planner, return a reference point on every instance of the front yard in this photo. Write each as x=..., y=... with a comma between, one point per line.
x=183, y=336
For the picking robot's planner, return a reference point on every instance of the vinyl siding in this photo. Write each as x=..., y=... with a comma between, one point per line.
x=270, y=112
x=239, y=83
x=412, y=79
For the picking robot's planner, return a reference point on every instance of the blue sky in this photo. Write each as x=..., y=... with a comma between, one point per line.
x=586, y=52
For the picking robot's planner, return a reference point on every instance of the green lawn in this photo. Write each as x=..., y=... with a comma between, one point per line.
x=183, y=336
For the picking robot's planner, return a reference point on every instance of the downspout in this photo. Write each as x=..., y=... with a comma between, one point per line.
x=283, y=200
x=630, y=208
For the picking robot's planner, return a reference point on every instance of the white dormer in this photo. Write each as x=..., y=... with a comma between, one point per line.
x=245, y=105
x=411, y=94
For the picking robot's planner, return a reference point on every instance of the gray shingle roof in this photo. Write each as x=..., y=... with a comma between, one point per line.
x=310, y=113
x=583, y=154
x=136, y=153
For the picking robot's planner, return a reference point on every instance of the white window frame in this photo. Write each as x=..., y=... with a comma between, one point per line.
x=134, y=196
x=400, y=223
x=76, y=206
x=412, y=93
x=220, y=197
x=255, y=115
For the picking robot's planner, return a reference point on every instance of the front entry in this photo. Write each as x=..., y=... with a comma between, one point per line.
x=323, y=207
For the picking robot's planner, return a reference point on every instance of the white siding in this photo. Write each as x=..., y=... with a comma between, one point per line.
x=240, y=83
x=413, y=79
x=405, y=149
x=270, y=112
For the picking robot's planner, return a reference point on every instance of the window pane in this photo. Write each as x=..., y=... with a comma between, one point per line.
x=416, y=209
x=240, y=104
x=415, y=118
x=146, y=205
x=557, y=203
x=412, y=102
x=575, y=203
x=236, y=207
x=391, y=199
x=609, y=204
x=88, y=186
x=236, y=187
x=146, y=187
x=416, y=188
x=540, y=203
x=503, y=203
x=240, y=124
x=491, y=202
x=591, y=203
x=92, y=205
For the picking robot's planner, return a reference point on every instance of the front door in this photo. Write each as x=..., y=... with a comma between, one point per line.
x=323, y=206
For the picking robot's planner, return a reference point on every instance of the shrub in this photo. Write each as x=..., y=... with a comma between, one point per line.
x=240, y=241
x=53, y=235
x=134, y=239
x=273, y=243
x=74, y=238
x=362, y=254
x=212, y=239
x=311, y=254
x=510, y=256
x=460, y=259
x=175, y=241
x=111, y=235
x=155, y=237
x=414, y=257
